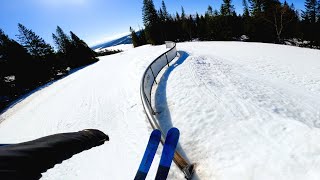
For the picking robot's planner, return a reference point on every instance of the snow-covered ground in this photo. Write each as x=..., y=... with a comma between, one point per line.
x=244, y=110
x=105, y=96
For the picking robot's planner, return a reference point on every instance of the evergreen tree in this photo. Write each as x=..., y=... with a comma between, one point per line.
x=134, y=37
x=82, y=54
x=64, y=46
x=164, y=11
x=256, y=7
x=311, y=11
x=183, y=14
x=35, y=45
x=185, y=27
x=246, y=12
x=151, y=22
x=227, y=9
x=318, y=12
x=209, y=11
x=310, y=27
x=62, y=41
x=14, y=60
x=73, y=52
x=41, y=52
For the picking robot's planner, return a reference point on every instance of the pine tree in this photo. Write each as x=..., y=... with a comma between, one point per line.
x=246, y=12
x=151, y=22
x=35, y=45
x=311, y=11
x=164, y=10
x=209, y=11
x=227, y=9
x=185, y=26
x=14, y=59
x=183, y=14
x=318, y=12
x=256, y=7
x=82, y=54
x=41, y=52
x=61, y=40
x=64, y=46
x=134, y=37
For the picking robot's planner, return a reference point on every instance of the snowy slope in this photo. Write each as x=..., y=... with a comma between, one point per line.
x=245, y=110
x=105, y=96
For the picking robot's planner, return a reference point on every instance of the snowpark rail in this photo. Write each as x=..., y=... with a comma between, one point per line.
x=148, y=79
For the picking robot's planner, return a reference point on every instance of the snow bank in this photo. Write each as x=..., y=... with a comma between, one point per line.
x=245, y=110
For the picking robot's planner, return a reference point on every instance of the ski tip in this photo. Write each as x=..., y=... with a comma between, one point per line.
x=174, y=131
x=156, y=132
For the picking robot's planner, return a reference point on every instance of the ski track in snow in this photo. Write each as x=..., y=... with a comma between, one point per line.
x=245, y=111
x=246, y=118
x=104, y=96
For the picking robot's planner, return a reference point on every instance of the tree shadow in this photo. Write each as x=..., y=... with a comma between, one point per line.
x=29, y=93
x=161, y=104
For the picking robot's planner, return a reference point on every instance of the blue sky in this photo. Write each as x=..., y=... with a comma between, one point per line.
x=92, y=20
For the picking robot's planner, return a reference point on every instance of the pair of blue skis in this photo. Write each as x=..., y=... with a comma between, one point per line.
x=169, y=147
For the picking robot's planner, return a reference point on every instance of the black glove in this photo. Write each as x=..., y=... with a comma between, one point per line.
x=26, y=161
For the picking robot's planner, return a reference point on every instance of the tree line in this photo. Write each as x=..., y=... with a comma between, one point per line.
x=32, y=62
x=268, y=21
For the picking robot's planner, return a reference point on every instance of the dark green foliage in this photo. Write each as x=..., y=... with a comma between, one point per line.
x=14, y=63
x=256, y=7
x=137, y=40
x=62, y=41
x=246, y=12
x=108, y=52
x=33, y=63
x=82, y=54
x=73, y=51
x=209, y=11
x=42, y=53
x=271, y=21
x=311, y=22
x=134, y=37
x=227, y=9
x=151, y=22
x=164, y=11
x=311, y=12
x=35, y=45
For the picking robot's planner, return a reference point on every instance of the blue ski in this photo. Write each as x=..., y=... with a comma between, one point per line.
x=169, y=148
x=148, y=156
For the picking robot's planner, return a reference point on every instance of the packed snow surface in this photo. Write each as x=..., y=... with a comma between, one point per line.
x=105, y=96
x=244, y=110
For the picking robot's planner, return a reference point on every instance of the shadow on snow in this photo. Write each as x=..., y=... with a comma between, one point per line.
x=22, y=97
x=161, y=103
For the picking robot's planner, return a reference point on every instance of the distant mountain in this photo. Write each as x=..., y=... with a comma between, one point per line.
x=123, y=40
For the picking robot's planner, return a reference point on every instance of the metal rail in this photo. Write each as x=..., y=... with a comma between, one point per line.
x=183, y=165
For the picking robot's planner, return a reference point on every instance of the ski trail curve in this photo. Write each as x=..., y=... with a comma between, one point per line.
x=239, y=122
